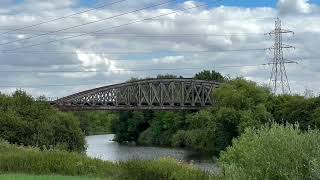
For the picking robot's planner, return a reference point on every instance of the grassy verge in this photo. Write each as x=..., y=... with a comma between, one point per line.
x=22, y=160
x=30, y=177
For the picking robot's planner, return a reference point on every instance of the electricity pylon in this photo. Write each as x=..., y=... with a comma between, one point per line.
x=279, y=78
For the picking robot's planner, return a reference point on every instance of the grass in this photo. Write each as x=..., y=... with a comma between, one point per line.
x=30, y=177
x=32, y=161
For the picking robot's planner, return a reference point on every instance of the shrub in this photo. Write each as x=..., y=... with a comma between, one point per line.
x=37, y=123
x=276, y=152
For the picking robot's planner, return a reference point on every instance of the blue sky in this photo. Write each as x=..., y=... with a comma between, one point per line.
x=239, y=3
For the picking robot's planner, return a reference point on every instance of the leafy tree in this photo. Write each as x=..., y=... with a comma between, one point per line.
x=294, y=109
x=129, y=125
x=37, y=123
x=163, y=126
x=239, y=104
x=210, y=76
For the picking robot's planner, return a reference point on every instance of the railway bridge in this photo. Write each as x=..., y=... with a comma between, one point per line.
x=149, y=94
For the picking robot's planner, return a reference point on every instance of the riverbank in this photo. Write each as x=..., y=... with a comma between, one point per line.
x=103, y=147
x=32, y=161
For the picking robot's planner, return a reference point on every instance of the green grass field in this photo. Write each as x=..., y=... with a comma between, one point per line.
x=29, y=177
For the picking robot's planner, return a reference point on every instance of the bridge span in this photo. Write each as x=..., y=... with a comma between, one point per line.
x=150, y=94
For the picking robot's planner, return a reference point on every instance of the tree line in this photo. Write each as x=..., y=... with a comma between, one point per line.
x=239, y=104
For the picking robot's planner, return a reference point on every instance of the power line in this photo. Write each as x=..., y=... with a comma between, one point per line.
x=92, y=22
x=129, y=52
x=138, y=70
x=64, y=17
x=200, y=19
x=140, y=34
x=85, y=84
x=113, y=27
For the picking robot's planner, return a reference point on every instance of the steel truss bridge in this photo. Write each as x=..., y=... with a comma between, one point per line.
x=150, y=94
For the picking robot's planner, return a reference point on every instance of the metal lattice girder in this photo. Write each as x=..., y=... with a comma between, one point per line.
x=151, y=94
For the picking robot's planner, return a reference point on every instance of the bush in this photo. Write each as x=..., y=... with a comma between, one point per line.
x=276, y=152
x=36, y=123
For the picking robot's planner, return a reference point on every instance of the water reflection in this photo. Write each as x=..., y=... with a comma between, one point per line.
x=102, y=147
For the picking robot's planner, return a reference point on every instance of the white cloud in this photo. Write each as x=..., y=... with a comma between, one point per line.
x=169, y=60
x=215, y=22
x=294, y=6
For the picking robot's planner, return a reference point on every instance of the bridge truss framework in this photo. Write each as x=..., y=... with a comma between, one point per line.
x=151, y=94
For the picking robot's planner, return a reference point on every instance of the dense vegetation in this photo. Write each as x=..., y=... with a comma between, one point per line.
x=270, y=152
x=35, y=123
x=240, y=104
x=96, y=123
x=276, y=152
x=256, y=134
x=24, y=160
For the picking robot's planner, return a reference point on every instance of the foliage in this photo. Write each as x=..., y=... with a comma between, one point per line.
x=129, y=125
x=14, y=159
x=210, y=76
x=162, y=127
x=276, y=152
x=239, y=104
x=295, y=109
x=36, y=123
x=96, y=123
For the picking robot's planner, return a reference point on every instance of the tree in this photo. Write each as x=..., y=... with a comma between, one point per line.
x=209, y=76
x=162, y=128
x=239, y=104
x=36, y=123
x=293, y=109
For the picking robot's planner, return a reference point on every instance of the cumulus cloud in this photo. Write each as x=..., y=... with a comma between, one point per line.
x=168, y=41
x=294, y=6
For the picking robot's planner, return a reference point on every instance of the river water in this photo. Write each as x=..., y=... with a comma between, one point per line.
x=102, y=147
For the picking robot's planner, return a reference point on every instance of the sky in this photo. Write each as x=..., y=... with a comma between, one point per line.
x=226, y=36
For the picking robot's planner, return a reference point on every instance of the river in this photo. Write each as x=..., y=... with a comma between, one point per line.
x=102, y=147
